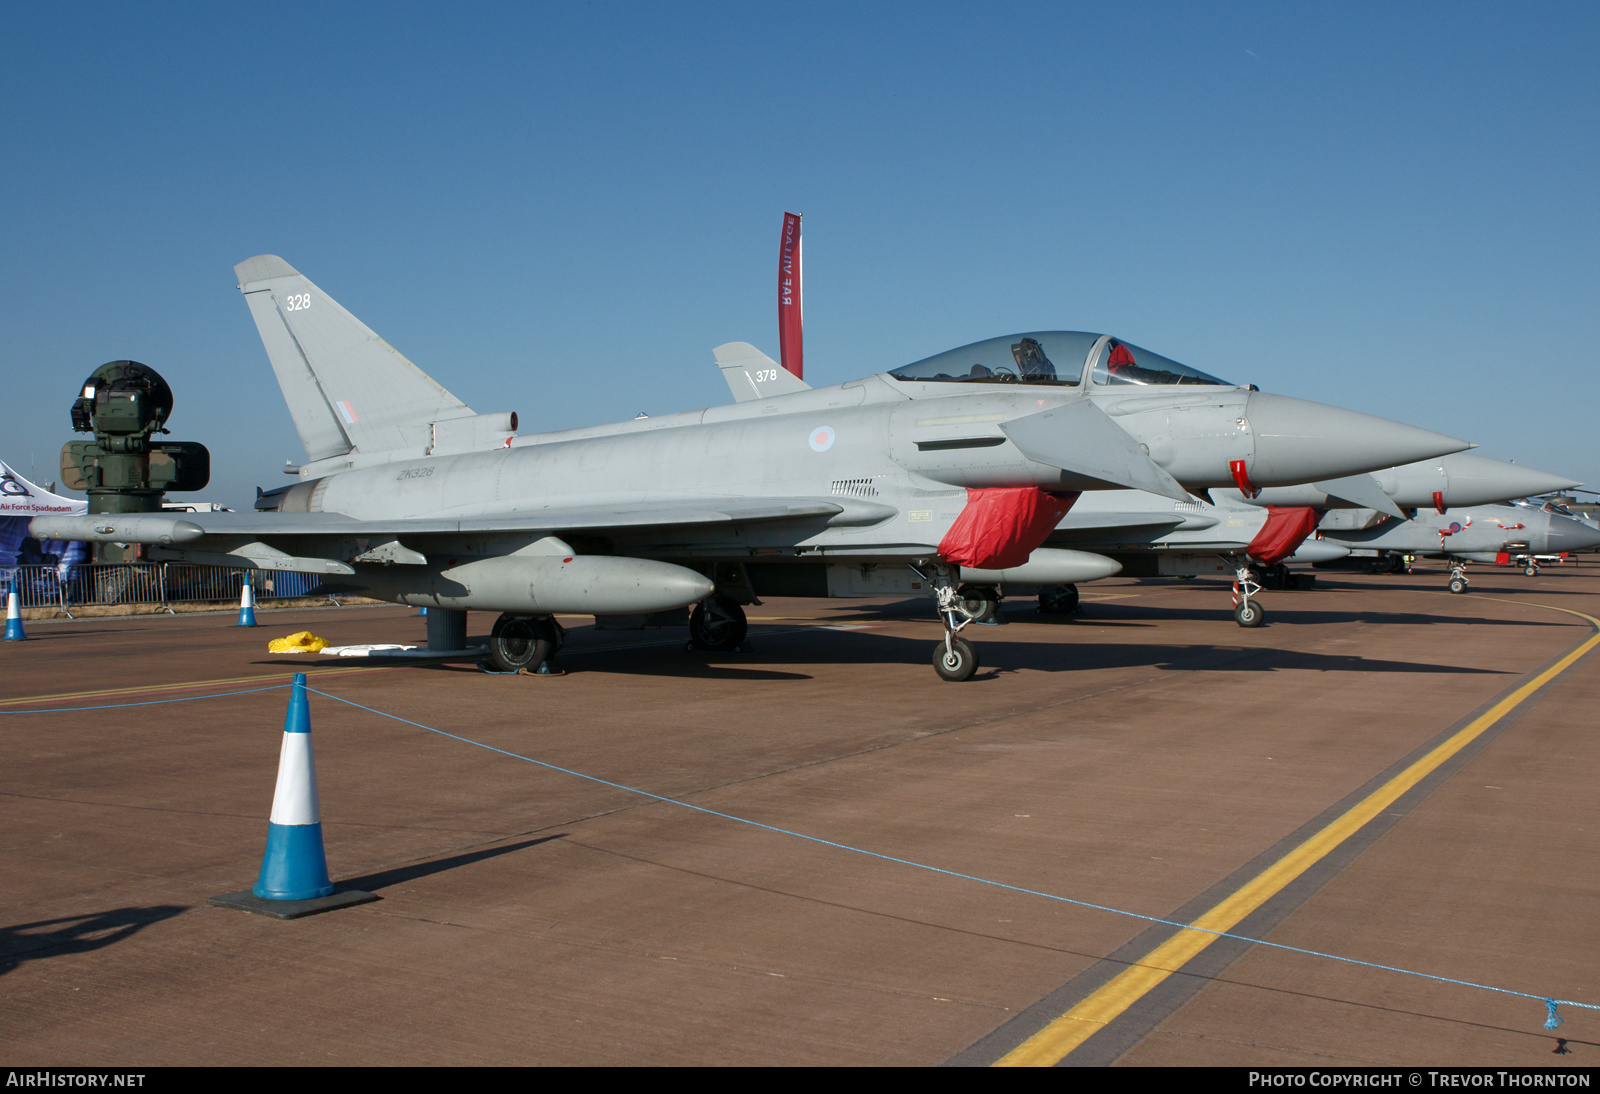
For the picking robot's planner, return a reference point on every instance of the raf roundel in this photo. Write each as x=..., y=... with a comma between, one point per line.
x=821, y=438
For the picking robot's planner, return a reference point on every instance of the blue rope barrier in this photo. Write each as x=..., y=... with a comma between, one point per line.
x=149, y=703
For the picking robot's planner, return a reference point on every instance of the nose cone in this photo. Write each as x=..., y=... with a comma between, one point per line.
x=1300, y=441
x=1570, y=535
x=1478, y=480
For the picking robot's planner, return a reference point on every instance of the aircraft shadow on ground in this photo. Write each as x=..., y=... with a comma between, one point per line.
x=1283, y=605
x=76, y=933
x=385, y=878
x=1280, y=609
x=995, y=654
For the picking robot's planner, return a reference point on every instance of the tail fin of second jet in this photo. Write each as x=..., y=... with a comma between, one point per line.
x=751, y=374
x=347, y=389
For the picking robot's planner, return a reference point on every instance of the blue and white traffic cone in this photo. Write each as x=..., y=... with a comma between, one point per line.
x=295, y=866
x=14, y=618
x=247, y=603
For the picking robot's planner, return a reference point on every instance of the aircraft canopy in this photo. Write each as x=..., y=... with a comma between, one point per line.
x=1057, y=358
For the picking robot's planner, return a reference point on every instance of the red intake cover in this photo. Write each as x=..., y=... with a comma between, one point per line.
x=1286, y=528
x=1000, y=527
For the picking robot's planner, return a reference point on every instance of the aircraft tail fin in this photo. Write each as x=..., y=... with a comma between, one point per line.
x=751, y=374
x=347, y=389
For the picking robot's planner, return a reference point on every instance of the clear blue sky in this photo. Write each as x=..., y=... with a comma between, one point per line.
x=560, y=209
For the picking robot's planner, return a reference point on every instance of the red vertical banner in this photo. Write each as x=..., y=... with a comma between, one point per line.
x=791, y=345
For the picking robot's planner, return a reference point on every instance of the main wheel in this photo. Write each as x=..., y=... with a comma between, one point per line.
x=980, y=603
x=957, y=663
x=1249, y=614
x=717, y=623
x=1058, y=599
x=1531, y=570
x=521, y=642
x=1458, y=584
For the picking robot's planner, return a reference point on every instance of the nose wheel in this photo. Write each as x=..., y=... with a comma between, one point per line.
x=954, y=659
x=1246, y=612
x=1458, y=578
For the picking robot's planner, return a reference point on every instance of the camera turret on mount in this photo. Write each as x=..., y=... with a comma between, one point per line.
x=124, y=404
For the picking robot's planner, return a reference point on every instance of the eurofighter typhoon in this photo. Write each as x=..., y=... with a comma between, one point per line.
x=951, y=469
x=1235, y=533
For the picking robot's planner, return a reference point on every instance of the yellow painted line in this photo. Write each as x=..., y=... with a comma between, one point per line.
x=1052, y=1044
x=191, y=685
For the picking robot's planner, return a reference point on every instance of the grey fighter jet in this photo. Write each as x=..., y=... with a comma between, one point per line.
x=953, y=467
x=1151, y=535
x=1234, y=535
x=1486, y=533
x=1463, y=478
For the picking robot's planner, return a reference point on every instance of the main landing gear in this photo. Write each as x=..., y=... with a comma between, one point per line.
x=1458, y=577
x=954, y=658
x=1280, y=577
x=717, y=624
x=523, y=643
x=981, y=602
x=1246, y=612
x=1058, y=599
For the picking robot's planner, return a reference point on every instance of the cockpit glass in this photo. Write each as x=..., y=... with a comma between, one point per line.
x=1123, y=363
x=1043, y=357
x=1055, y=358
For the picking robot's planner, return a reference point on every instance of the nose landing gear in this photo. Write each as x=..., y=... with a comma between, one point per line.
x=954, y=658
x=1458, y=577
x=1246, y=612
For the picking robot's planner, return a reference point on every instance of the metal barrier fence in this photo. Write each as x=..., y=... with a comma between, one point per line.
x=145, y=583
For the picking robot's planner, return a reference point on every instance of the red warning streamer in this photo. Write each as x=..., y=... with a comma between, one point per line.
x=791, y=349
x=1000, y=527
